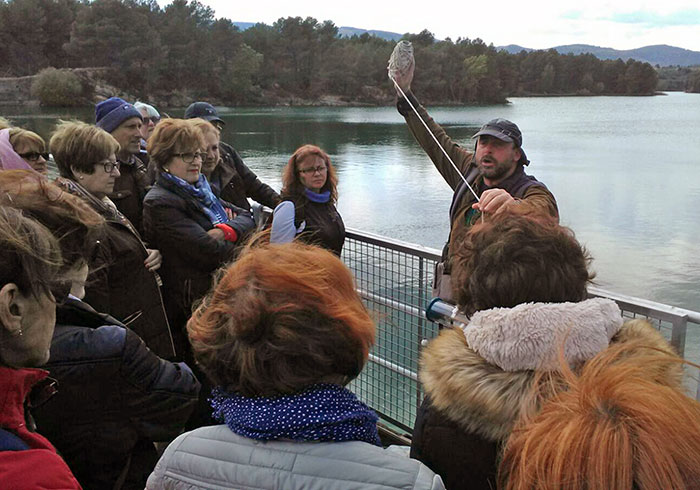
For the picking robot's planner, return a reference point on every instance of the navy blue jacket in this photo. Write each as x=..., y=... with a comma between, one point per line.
x=115, y=397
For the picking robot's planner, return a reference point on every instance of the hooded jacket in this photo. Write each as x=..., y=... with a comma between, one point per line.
x=479, y=380
x=38, y=466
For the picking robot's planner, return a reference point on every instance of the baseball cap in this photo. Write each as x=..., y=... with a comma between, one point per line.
x=505, y=130
x=203, y=110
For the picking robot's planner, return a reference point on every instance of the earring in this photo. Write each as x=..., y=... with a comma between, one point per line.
x=81, y=177
x=18, y=333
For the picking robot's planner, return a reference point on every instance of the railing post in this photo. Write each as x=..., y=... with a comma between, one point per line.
x=678, y=331
x=421, y=321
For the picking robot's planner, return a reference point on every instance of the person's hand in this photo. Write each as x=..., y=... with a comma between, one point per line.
x=229, y=213
x=216, y=234
x=154, y=259
x=494, y=200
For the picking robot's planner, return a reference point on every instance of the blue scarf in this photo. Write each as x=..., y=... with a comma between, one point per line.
x=200, y=193
x=317, y=197
x=321, y=412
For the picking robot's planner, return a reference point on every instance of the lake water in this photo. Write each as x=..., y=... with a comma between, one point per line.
x=625, y=172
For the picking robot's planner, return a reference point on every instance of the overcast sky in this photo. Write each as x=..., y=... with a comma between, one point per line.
x=621, y=24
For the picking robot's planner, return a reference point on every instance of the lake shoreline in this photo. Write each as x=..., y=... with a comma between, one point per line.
x=16, y=91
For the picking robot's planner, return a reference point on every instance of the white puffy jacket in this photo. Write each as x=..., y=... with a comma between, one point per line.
x=216, y=458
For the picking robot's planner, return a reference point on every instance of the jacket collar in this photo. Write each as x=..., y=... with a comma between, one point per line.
x=485, y=399
x=15, y=386
x=223, y=172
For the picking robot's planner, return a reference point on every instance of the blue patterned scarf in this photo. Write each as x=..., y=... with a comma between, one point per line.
x=321, y=412
x=200, y=193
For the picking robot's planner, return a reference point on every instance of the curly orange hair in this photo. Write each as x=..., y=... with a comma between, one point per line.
x=280, y=318
x=617, y=426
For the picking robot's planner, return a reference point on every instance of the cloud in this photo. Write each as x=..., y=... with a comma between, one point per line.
x=687, y=17
x=572, y=15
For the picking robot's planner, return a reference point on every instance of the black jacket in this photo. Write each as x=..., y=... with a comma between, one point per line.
x=178, y=228
x=436, y=442
x=234, y=182
x=324, y=226
x=129, y=190
x=115, y=398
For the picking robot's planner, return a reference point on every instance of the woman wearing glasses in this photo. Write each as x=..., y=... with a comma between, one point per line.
x=195, y=231
x=22, y=149
x=309, y=194
x=123, y=278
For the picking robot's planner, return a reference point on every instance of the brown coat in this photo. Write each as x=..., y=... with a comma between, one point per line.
x=119, y=284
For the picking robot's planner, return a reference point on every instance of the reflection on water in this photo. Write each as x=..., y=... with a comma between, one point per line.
x=625, y=171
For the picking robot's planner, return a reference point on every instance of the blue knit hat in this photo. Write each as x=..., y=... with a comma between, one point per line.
x=110, y=113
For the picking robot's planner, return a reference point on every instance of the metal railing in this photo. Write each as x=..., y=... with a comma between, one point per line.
x=394, y=279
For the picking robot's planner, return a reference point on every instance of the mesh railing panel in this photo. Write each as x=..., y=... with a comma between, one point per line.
x=394, y=279
x=395, y=286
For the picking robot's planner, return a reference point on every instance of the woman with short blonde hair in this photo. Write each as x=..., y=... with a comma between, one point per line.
x=123, y=279
x=30, y=262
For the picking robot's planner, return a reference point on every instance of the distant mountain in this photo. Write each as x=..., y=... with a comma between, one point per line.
x=243, y=25
x=343, y=31
x=353, y=31
x=659, y=54
x=513, y=49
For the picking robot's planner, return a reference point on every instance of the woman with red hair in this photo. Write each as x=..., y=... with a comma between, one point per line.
x=612, y=426
x=280, y=336
x=309, y=195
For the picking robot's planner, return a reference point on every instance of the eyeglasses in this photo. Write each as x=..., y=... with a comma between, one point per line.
x=109, y=166
x=312, y=170
x=154, y=120
x=189, y=157
x=34, y=156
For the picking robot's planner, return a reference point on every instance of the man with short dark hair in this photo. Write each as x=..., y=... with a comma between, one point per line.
x=123, y=121
x=232, y=180
x=495, y=170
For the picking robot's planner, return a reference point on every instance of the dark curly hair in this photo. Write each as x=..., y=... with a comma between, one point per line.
x=515, y=258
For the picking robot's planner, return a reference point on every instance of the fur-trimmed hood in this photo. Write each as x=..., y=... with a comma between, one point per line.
x=482, y=396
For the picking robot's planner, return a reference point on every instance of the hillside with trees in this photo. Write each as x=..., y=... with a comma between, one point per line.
x=155, y=53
